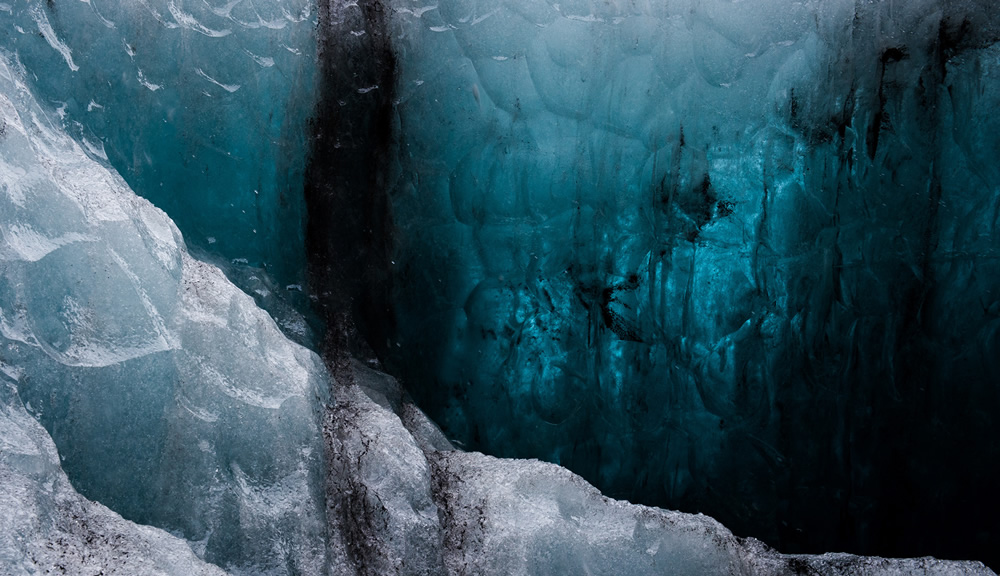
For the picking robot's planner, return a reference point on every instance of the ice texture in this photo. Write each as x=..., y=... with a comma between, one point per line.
x=46, y=527
x=407, y=502
x=737, y=257
x=379, y=498
x=173, y=399
x=156, y=387
x=201, y=106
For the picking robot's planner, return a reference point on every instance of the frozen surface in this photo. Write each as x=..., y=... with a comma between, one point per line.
x=735, y=257
x=156, y=387
x=175, y=401
x=380, y=500
x=47, y=528
x=201, y=106
x=406, y=502
x=172, y=398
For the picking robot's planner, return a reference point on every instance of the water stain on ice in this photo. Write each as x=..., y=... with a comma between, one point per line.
x=263, y=61
x=262, y=23
x=590, y=18
x=100, y=17
x=197, y=411
x=484, y=16
x=418, y=12
x=142, y=80
x=225, y=10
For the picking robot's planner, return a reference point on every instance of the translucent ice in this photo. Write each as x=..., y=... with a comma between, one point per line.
x=176, y=402
x=172, y=398
x=202, y=107
x=46, y=527
x=737, y=257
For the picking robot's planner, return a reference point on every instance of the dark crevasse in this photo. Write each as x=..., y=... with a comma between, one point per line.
x=167, y=393
x=736, y=258
x=352, y=151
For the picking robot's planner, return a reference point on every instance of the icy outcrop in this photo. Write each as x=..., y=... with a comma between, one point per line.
x=406, y=502
x=173, y=399
x=736, y=257
x=379, y=496
x=47, y=528
x=201, y=106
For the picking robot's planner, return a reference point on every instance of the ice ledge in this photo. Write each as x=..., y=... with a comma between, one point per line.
x=402, y=502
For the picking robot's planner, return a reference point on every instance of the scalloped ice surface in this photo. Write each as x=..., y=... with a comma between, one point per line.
x=720, y=256
x=175, y=401
x=203, y=109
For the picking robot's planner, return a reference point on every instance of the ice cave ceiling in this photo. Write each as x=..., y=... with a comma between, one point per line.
x=735, y=257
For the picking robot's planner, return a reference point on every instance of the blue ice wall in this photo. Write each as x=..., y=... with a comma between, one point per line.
x=168, y=395
x=734, y=257
x=203, y=107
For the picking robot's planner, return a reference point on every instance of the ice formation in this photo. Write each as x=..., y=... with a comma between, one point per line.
x=737, y=257
x=405, y=502
x=155, y=420
x=202, y=107
x=177, y=402
x=47, y=527
x=173, y=399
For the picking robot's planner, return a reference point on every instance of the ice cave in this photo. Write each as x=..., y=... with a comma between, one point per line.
x=499, y=287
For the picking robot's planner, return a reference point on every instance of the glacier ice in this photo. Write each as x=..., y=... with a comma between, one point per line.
x=407, y=502
x=47, y=527
x=737, y=257
x=202, y=107
x=173, y=399
x=153, y=419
